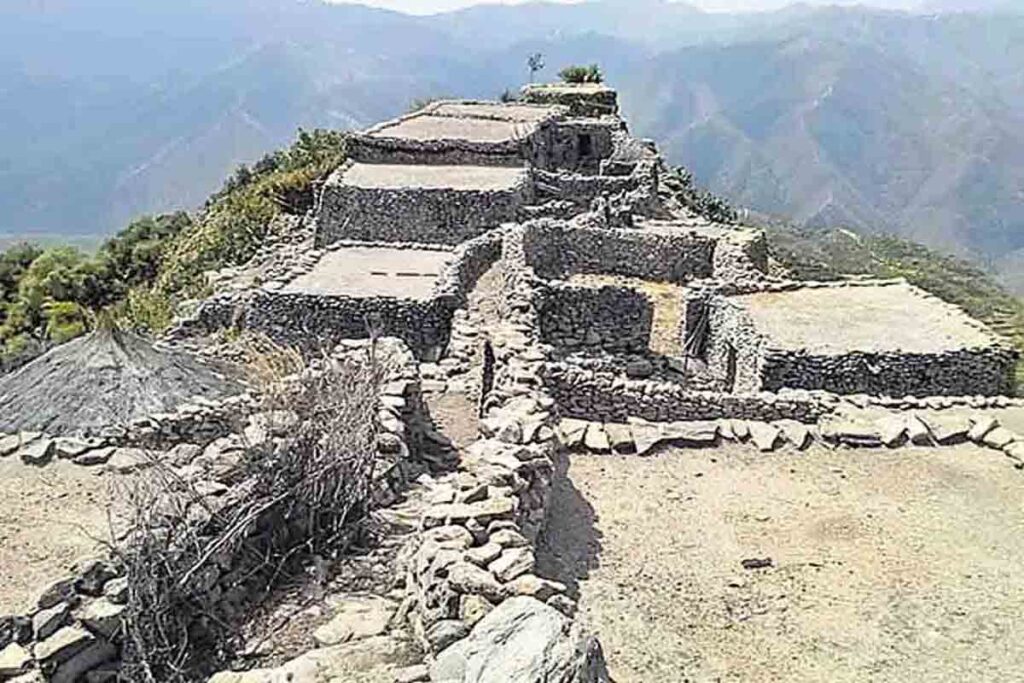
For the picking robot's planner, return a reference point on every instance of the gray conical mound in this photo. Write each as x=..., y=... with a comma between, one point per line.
x=107, y=377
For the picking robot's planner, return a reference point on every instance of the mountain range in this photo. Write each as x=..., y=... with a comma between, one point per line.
x=863, y=118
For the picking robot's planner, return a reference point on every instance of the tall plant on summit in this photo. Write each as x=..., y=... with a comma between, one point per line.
x=535, y=62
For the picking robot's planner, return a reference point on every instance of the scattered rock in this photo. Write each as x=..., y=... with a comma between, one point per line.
x=851, y=432
x=946, y=429
x=892, y=431
x=473, y=608
x=765, y=436
x=999, y=438
x=129, y=460
x=97, y=456
x=757, y=563
x=102, y=617
x=48, y=621
x=446, y=632
x=981, y=425
x=917, y=432
x=596, y=438
x=92, y=574
x=694, y=433
x=483, y=555
x=536, y=587
x=63, y=645
x=413, y=674
x=37, y=452
x=468, y=578
x=620, y=438
x=116, y=590
x=14, y=660
x=796, y=433
x=355, y=617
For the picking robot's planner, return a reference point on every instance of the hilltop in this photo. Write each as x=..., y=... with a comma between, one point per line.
x=883, y=121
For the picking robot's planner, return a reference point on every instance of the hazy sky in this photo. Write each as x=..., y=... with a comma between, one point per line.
x=431, y=6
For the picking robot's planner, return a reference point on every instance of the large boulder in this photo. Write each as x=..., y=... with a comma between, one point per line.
x=522, y=641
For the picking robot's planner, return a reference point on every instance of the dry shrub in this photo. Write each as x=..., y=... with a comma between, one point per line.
x=197, y=565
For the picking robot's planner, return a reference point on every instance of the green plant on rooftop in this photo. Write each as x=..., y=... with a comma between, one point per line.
x=581, y=74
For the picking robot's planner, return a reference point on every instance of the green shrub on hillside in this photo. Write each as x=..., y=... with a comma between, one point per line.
x=581, y=74
x=48, y=296
x=237, y=219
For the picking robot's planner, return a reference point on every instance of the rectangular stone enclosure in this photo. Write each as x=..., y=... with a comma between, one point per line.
x=882, y=339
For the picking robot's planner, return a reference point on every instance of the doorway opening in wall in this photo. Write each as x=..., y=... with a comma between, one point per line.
x=586, y=146
x=730, y=367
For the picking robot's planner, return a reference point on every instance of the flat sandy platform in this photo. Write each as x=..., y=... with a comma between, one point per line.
x=885, y=565
x=865, y=318
x=396, y=177
x=374, y=271
x=428, y=127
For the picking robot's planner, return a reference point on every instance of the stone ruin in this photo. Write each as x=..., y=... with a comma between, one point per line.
x=528, y=260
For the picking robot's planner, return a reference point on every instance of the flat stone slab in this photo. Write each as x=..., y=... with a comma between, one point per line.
x=355, y=617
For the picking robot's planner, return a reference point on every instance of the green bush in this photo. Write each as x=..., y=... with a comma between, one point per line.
x=581, y=74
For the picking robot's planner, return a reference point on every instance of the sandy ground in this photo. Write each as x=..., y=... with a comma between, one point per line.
x=396, y=176
x=886, y=566
x=49, y=518
x=509, y=112
x=839, y=319
x=374, y=271
x=426, y=127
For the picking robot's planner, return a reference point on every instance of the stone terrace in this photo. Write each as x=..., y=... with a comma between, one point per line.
x=835, y=320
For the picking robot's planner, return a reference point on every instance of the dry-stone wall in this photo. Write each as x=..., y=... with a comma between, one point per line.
x=556, y=250
x=608, y=318
x=587, y=100
x=963, y=372
x=76, y=628
x=445, y=215
x=610, y=397
x=316, y=321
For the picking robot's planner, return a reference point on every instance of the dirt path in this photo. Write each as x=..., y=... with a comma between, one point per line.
x=49, y=517
x=887, y=566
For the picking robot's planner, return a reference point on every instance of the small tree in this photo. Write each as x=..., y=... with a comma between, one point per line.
x=581, y=74
x=535, y=62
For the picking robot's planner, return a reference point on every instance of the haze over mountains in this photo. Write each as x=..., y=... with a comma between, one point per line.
x=911, y=123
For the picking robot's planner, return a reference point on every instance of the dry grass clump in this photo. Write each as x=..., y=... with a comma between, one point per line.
x=198, y=563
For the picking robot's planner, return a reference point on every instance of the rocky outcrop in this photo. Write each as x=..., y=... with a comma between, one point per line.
x=522, y=641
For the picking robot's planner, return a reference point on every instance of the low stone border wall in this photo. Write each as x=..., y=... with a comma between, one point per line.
x=918, y=428
x=612, y=398
x=76, y=627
